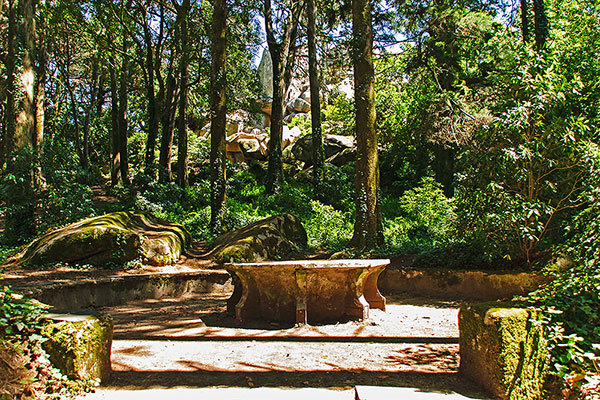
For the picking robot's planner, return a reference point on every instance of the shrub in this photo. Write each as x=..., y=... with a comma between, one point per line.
x=328, y=227
x=426, y=218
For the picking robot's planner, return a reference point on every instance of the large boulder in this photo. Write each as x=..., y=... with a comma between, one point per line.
x=111, y=239
x=272, y=238
x=333, y=145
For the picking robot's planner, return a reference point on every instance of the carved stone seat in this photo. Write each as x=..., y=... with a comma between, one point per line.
x=305, y=291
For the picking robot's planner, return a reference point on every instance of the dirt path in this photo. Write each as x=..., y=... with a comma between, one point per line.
x=192, y=343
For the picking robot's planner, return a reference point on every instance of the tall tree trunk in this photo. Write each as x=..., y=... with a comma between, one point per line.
x=115, y=162
x=541, y=23
x=368, y=231
x=40, y=99
x=315, y=101
x=444, y=168
x=10, y=120
x=85, y=160
x=167, y=122
x=149, y=163
x=19, y=220
x=524, y=21
x=182, y=134
x=123, y=123
x=280, y=57
x=218, y=117
x=25, y=128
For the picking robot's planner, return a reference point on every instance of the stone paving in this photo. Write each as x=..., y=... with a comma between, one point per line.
x=190, y=348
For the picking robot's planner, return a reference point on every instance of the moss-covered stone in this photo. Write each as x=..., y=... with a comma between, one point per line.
x=503, y=348
x=272, y=238
x=79, y=345
x=111, y=239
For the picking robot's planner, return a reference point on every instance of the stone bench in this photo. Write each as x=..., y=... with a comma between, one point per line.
x=306, y=290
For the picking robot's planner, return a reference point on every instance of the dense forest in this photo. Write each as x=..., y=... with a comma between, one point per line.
x=470, y=130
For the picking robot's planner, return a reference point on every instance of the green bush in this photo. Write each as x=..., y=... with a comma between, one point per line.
x=328, y=227
x=425, y=218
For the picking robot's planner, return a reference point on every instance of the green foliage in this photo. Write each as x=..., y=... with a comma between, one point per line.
x=328, y=227
x=17, y=191
x=19, y=316
x=424, y=217
x=59, y=207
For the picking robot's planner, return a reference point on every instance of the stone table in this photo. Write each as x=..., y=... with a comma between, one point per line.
x=305, y=291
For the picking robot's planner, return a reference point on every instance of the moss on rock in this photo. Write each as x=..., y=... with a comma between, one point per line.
x=272, y=238
x=503, y=348
x=79, y=345
x=113, y=238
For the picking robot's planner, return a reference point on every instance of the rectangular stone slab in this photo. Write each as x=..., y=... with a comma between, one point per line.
x=305, y=291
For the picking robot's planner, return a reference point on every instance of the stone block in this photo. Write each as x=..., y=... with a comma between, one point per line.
x=79, y=345
x=503, y=349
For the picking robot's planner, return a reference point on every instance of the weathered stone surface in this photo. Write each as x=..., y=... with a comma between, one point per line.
x=306, y=290
x=271, y=238
x=79, y=345
x=298, y=106
x=333, y=145
x=503, y=349
x=251, y=149
x=112, y=238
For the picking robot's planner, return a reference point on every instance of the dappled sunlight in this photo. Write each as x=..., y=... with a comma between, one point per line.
x=204, y=316
x=252, y=356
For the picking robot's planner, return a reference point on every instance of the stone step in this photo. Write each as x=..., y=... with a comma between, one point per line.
x=406, y=393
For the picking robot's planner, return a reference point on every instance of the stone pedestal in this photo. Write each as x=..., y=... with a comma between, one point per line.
x=79, y=345
x=503, y=349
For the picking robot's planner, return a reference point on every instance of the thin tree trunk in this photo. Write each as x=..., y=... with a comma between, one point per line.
x=315, y=101
x=149, y=163
x=182, y=138
x=444, y=168
x=85, y=160
x=115, y=162
x=541, y=23
x=280, y=57
x=368, y=232
x=218, y=117
x=168, y=118
x=524, y=21
x=40, y=90
x=10, y=120
x=123, y=124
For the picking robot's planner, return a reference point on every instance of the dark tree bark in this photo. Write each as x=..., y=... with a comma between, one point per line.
x=315, y=101
x=10, y=119
x=20, y=199
x=218, y=117
x=444, y=168
x=115, y=162
x=85, y=160
x=149, y=163
x=123, y=123
x=368, y=231
x=524, y=21
x=280, y=52
x=541, y=23
x=182, y=137
x=40, y=99
x=167, y=122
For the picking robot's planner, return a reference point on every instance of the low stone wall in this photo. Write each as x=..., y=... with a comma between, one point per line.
x=114, y=290
x=503, y=349
x=459, y=285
